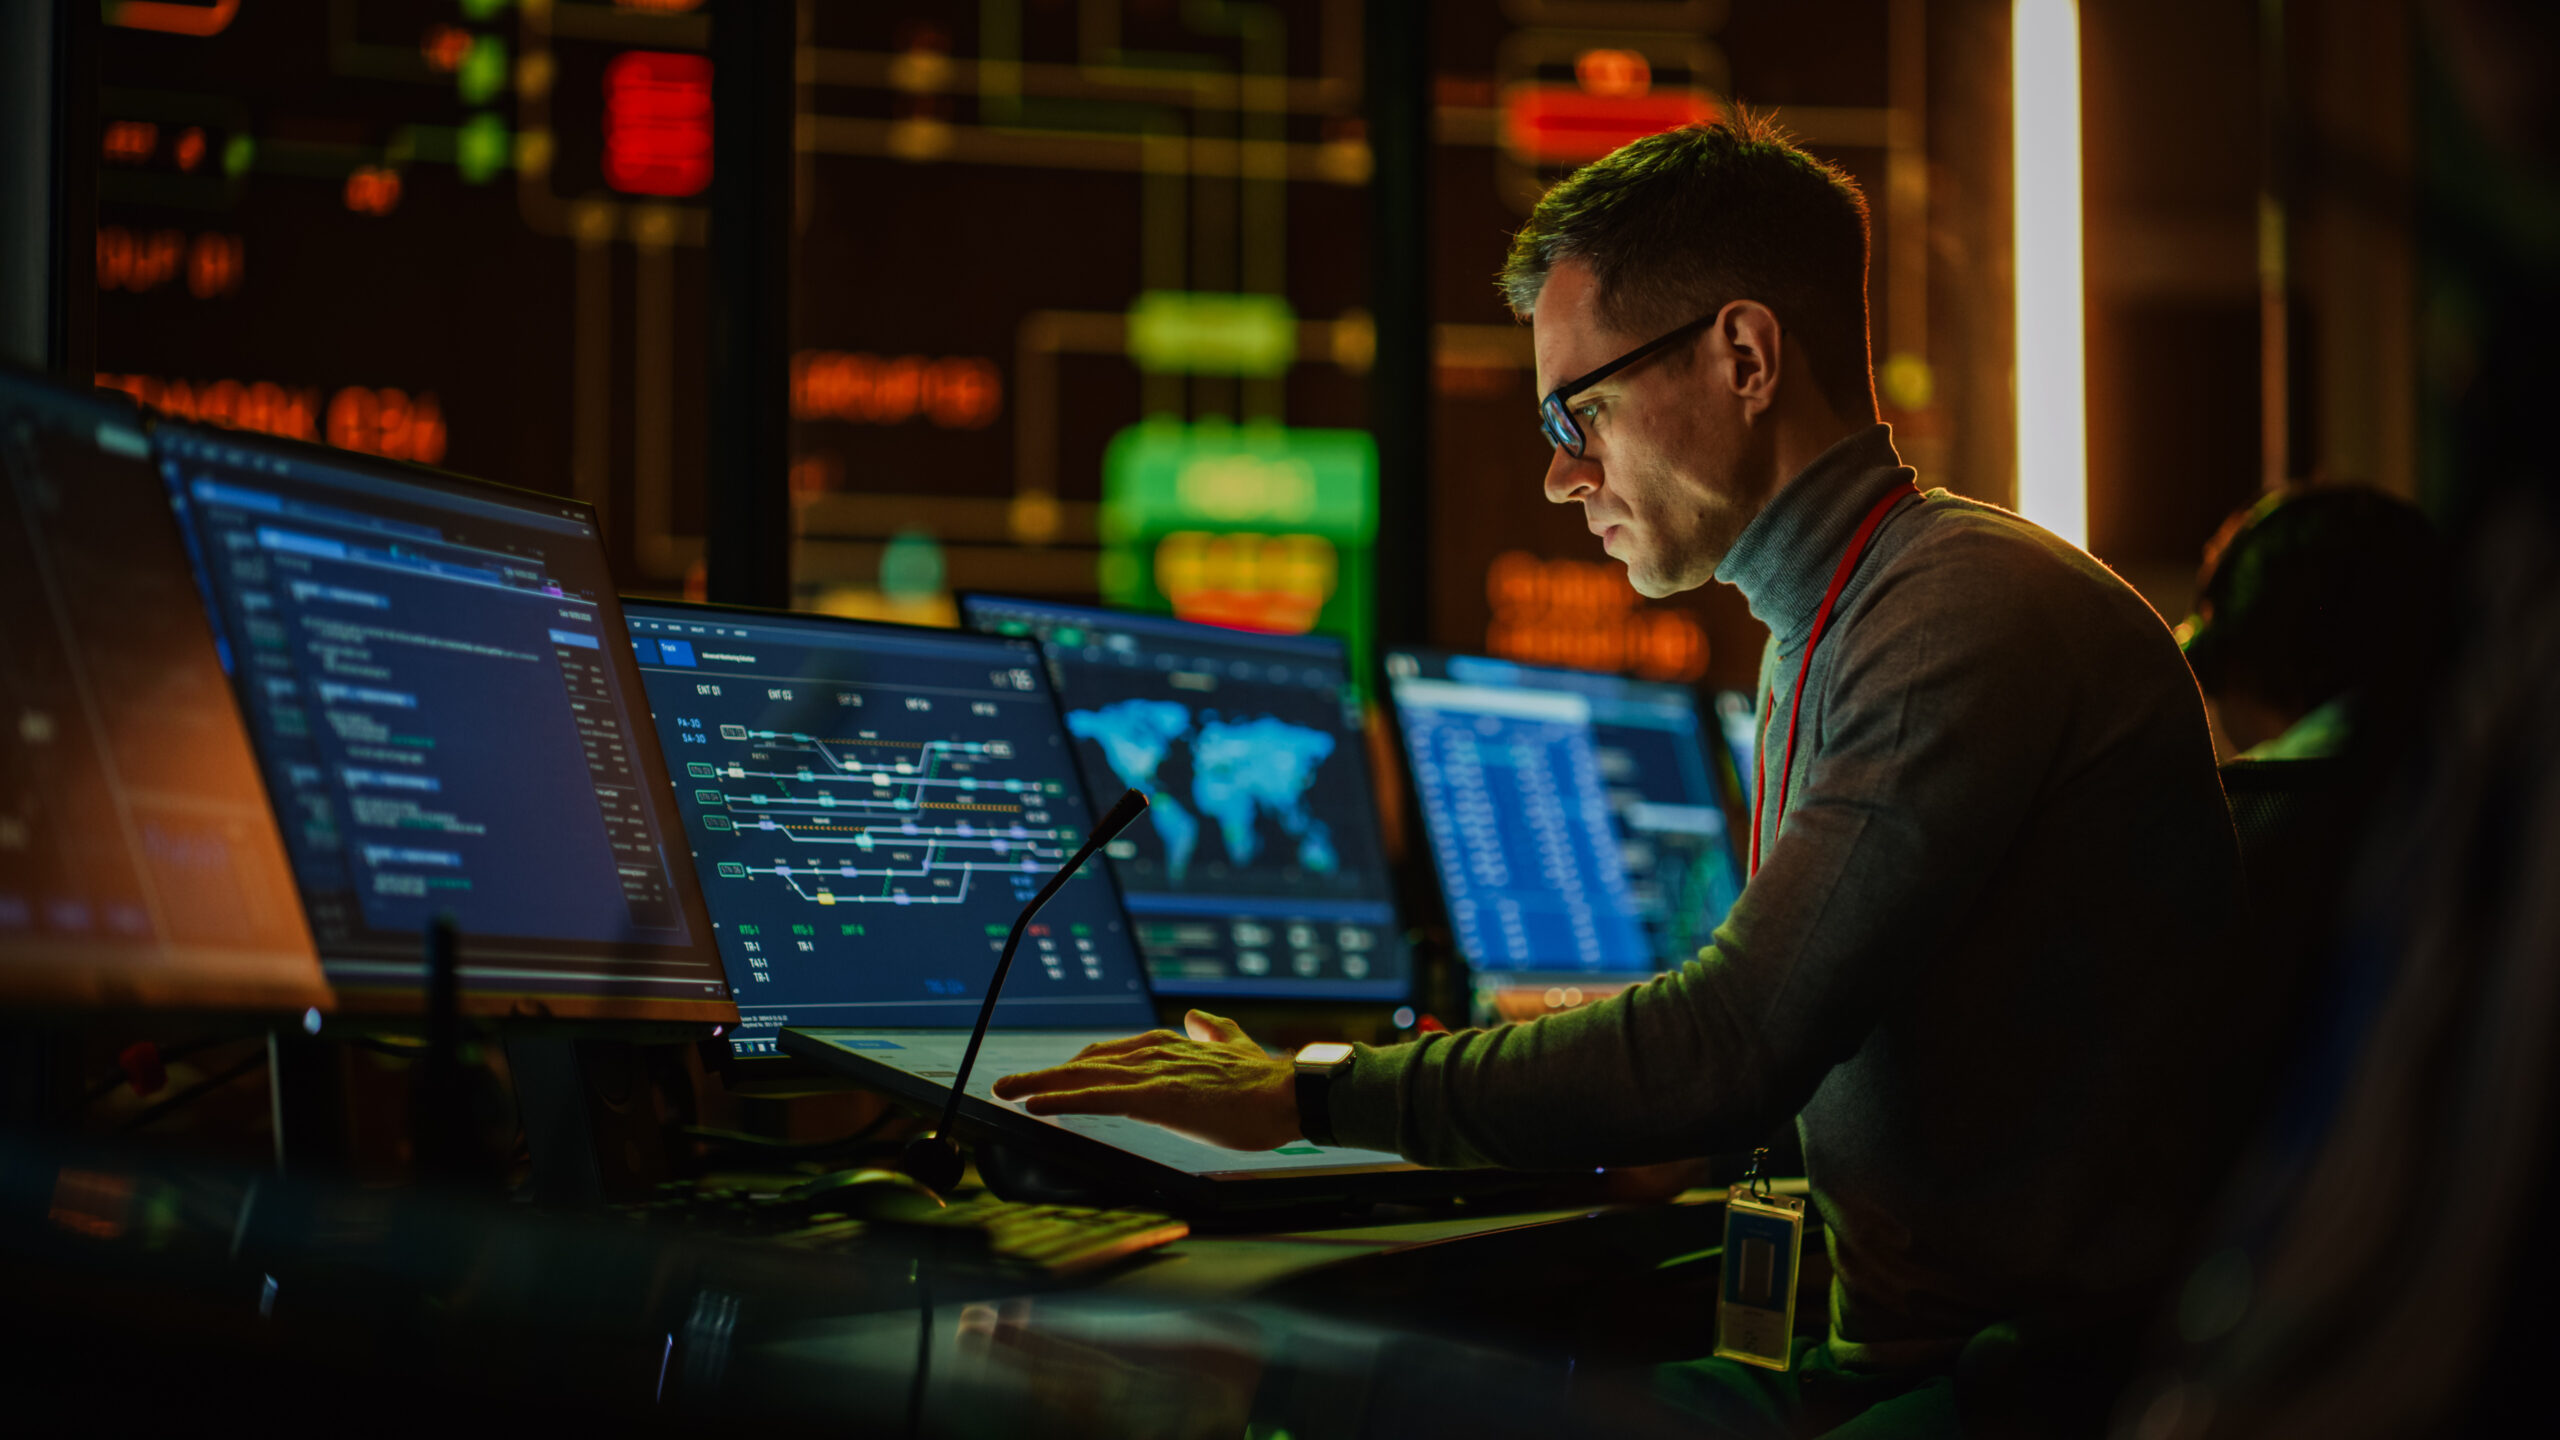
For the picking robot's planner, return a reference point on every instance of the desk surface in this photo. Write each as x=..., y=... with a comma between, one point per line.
x=231, y=1287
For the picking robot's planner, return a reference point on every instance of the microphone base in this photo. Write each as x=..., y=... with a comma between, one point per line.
x=933, y=1160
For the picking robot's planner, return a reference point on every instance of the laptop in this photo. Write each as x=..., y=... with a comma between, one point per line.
x=869, y=807
x=139, y=866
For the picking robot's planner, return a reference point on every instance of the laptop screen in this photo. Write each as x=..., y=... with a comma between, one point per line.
x=1260, y=870
x=869, y=807
x=139, y=864
x=438, y=691
x=1574, y=818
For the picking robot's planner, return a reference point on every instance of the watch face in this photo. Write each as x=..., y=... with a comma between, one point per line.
x=1329, y=1052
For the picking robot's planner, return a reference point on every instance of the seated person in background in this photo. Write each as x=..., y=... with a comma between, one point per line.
x=2304, y=596
x=1978, y=957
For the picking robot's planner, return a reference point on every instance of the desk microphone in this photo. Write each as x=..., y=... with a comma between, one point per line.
x=933, y=1159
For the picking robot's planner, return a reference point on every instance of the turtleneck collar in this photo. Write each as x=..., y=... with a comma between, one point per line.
x=1782, y=561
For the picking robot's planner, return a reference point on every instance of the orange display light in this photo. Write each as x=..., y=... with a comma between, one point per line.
x=445, y=47
x=373, y=190
x=387, y=422
x=139, y=262
x=130, y=142
x=1613, y=72
x=1568, y=125
x=955, y=392
x=1581, y=615
x=291, y=411
x=215, y=265
x=189, y=149
x=197, y=21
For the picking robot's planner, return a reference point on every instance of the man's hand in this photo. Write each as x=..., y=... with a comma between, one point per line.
x=1215, y=1086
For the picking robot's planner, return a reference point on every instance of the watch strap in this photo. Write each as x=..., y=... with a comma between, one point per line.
x=1315, y=1110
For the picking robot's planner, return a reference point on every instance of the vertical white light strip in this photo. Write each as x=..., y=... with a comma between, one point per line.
x=2053, y=417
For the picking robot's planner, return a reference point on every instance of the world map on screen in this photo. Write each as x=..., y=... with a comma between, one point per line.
x=1241, y=769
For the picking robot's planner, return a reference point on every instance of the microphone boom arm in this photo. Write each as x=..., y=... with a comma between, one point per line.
x=937, y=1152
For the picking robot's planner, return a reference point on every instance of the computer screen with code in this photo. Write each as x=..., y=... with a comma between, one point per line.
x=1574, y=818
x=1259, y=870
x=444, y=704
x=869, y=807
x=139, y=864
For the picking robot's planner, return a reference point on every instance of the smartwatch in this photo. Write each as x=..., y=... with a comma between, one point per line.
x=1318, y=1065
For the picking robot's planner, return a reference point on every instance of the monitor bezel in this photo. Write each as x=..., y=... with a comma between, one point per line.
x=777, y=1066
x=533, y=1012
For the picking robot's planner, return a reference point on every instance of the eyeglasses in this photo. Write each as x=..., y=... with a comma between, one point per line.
x=1557, y=420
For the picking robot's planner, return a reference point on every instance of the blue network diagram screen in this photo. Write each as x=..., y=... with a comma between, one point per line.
x=1523, y=814
x=445, y=710
x=1259, y=868
x=869, y=807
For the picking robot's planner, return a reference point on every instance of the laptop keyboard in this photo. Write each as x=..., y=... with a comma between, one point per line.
x=1053, y=1239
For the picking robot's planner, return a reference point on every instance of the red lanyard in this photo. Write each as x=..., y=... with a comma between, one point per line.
x=1821, y=621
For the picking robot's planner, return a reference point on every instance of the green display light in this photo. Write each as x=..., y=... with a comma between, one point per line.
x=1261, y=526
x=480, y=10
x=911, y=566
x=483, y=71
x=1199, y=333
x=482, y=147
x=238, y=154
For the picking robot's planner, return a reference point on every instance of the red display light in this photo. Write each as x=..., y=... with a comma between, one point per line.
x=657, y=123
x=1566, y=125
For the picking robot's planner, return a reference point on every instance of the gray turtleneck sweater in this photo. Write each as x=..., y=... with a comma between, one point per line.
x=1978, y=962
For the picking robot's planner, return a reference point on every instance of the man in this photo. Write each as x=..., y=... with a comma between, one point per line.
x=2306, y=596
x=1991, y=859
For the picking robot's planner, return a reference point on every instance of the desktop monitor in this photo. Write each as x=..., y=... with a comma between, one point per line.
x=869, y=807
x=139, y=864
x=445, y=708
x=1259, y=870
x=1575, y=819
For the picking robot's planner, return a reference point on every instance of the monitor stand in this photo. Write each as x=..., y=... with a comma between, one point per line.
x=590, y=1119
x=307, y=1088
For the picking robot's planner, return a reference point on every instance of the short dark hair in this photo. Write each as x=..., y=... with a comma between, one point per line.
x=2308, y=592
x=1678, y=225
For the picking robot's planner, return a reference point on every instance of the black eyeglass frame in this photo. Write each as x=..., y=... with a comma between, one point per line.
x=1555, y=415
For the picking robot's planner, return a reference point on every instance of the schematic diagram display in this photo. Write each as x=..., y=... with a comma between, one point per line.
x=138, y=862
x=869, y=808
x=1518, y=812
x=435, y=675
x=1258, y=868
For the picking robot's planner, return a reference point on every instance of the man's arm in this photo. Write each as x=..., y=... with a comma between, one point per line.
x=1942, y=716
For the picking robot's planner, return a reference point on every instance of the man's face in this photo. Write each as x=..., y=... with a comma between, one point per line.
x=1671, y=468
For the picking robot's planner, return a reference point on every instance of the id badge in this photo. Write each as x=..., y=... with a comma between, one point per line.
x=1756, y=1303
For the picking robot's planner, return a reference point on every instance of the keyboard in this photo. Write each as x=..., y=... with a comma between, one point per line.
x=1055, y=1240
x=1052, y=1239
